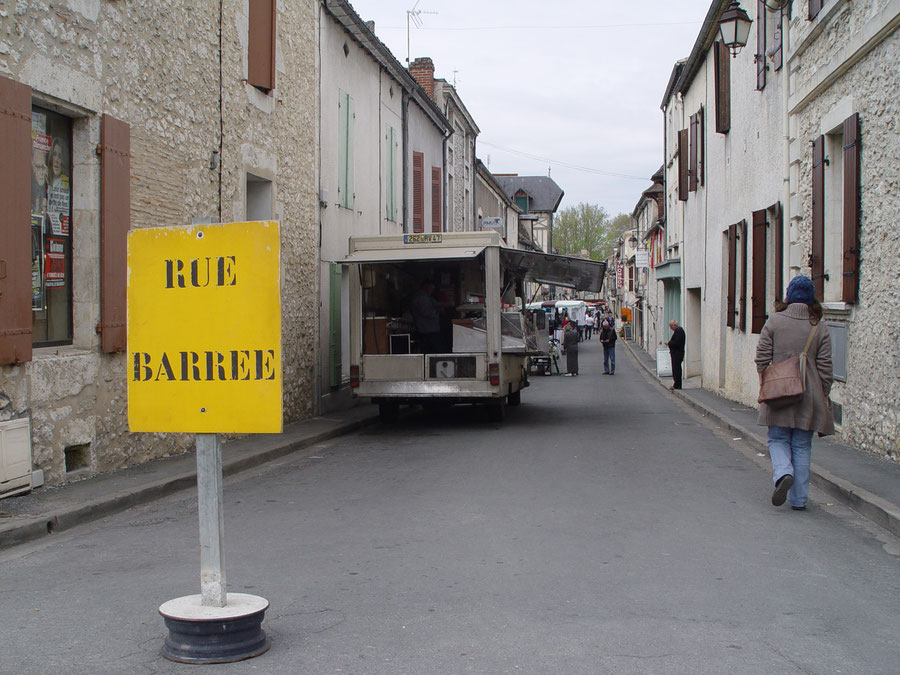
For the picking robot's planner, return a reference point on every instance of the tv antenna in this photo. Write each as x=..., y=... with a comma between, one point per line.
x=414, y=16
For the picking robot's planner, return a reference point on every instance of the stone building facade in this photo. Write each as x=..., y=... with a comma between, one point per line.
x=219, y=115
x=782, y=160
x=844, y=81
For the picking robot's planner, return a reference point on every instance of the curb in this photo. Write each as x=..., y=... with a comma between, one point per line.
x=880, y=511
x=35, y=527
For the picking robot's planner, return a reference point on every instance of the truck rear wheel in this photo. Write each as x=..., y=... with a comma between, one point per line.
x=515, y=398
x=497, y=410
x=388, y=412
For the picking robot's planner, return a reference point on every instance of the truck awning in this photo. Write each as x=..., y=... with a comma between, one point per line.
x=578, y=273
x=412, y=253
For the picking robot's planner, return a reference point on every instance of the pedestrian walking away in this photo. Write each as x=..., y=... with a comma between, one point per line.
x=570, y=343
x=794, y=325
x=676, y=350
x=608, y=340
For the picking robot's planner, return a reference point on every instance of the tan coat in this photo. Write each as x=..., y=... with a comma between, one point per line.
x=784, y=336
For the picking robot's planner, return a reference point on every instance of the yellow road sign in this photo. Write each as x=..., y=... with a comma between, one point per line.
x=204, y=328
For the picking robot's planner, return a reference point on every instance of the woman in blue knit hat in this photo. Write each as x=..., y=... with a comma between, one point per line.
x=796, y=323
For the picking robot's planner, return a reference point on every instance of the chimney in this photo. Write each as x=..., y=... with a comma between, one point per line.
x=422, y=71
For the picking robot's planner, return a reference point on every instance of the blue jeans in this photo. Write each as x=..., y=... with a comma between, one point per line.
x=790, y=450
x=609, y=359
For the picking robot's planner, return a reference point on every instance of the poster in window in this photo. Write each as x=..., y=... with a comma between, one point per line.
x=55, y=263
x=58, y=190
x=37, y=262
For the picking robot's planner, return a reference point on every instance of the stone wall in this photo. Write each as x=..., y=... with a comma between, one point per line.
x=871, y=420
x=156, y=67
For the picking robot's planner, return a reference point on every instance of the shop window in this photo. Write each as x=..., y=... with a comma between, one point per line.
x=51, y=227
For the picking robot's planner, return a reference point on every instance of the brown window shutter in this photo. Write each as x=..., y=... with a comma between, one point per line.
x=760, y=45
x=418, y=192
x=778, y=42
x=850, y=286
x=15, y=226
x=758, y=283
x=815, y=6
x=692, y=165
x=683, y=165
x=115, y=219
x=742, y=233
x=732, y=275
x=817, y=255
x=779, y=251
x=261, y=45
x=701, y=145
x=436, y=209
x=723, y=88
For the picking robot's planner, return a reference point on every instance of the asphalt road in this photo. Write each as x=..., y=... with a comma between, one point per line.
x=602, y=528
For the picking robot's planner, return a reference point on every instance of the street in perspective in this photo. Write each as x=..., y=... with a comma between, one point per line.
x=604, y=527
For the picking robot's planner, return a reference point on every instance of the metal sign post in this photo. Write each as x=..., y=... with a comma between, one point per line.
x=212, y=521
x=204, y=357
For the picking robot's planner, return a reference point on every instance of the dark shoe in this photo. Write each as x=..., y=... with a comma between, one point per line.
x=606, y=372
x=799, y=508
x=782, y=485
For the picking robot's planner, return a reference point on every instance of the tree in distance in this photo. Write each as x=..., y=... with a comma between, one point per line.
x=588, y=228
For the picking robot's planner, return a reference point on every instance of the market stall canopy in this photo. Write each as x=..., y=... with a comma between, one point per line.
x=578, y=273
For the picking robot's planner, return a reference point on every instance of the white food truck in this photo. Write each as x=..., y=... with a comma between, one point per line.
x=478, y=286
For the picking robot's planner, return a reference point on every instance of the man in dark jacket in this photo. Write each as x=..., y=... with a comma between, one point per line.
x=608, y=340
x=676, y=349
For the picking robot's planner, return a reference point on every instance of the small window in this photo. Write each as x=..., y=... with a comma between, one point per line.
x=51, y=227
x=259, y=198
x=838, y=332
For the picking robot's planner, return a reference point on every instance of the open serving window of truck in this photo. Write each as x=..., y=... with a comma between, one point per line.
x=441, y=317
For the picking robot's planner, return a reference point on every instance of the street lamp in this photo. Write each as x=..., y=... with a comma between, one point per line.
x=734, y=27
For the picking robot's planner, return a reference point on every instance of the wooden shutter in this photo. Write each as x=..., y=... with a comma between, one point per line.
x=345, y=150
x=817, y=255
x=850, y=286
x=436, y=205
x=758, y=284
x=15, y=225
x=115, y=219
x=723, y=88
x=815, y=6
x=742, y=233
x=779, y=250
x=778, y=41
x=683, y=165
x=261, y=45
x=732, y=275
x=418, y=192
x=391, y=178
x=692, y=164
x=701, y=145
x=760, y=45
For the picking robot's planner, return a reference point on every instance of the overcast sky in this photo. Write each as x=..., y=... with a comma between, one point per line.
x=576, y=85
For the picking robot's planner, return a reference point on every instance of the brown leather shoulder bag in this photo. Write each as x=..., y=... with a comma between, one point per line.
x=783, y=382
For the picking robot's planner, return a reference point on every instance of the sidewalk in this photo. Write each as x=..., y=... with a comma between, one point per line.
x=865, y=483
x=49, y=510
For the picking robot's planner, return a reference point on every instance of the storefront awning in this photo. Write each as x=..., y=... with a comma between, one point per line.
x=407, y=254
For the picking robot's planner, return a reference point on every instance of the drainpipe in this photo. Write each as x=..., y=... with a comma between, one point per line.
x=786, y=206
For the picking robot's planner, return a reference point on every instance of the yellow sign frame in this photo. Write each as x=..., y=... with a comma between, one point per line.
x=204, y=328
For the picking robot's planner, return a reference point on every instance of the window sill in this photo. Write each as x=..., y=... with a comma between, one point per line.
x=62, y=351
x=841, y=308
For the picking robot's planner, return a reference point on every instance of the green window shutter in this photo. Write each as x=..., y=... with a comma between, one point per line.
x=345, y=150
x=334, y=325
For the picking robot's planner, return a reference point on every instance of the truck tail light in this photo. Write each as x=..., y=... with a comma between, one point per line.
x=354, y=376
x=494, y=373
